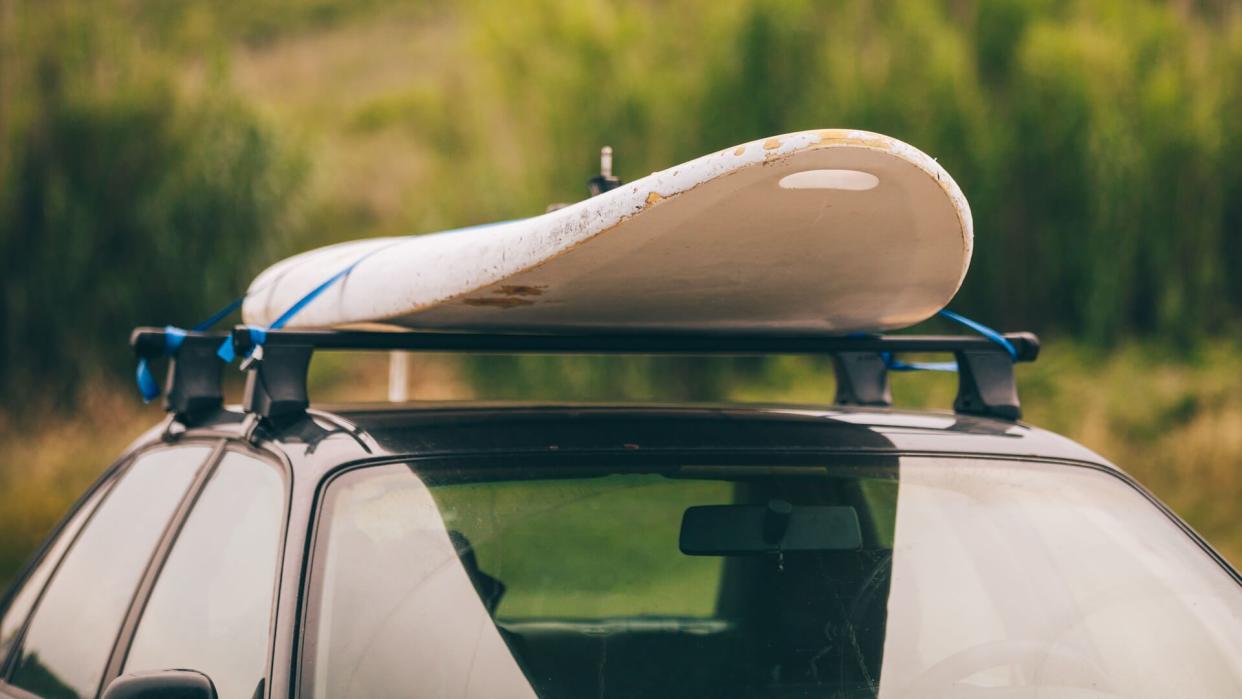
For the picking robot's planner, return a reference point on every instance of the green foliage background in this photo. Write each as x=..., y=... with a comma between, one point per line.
x=155, y=155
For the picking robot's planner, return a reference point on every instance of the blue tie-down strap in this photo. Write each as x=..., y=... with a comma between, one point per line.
x=982, y=330
x=894, y=364
x=220, y=314
x=259, y=335
x=173, y=337
x=147, y=385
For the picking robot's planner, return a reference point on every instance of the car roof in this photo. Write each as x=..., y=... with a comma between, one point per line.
x=450, y=428
x=329, y=436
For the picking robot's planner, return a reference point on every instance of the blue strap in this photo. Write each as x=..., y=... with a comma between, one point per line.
x=220, y=314
x=982, y=330
x=259, y=335
x=148, y=387
x=894, y=364
x=173, y=337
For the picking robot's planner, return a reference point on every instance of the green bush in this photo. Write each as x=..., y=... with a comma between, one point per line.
x=124, y=201
x=1097, y=140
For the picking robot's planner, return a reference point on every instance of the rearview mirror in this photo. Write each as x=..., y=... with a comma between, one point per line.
x=731, y=530
x=162, y=684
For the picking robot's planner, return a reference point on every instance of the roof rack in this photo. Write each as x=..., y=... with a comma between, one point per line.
x=276, y=385
x=192, y=384
x=986, y=385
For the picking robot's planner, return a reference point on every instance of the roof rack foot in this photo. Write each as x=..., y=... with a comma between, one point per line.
x=862, y=379
x=276, y=385
x=192, y=385
x=605, y=181
x=986, y=385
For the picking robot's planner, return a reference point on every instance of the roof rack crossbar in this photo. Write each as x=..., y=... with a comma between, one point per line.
x=1025, y=344
x=192, y=385
x=986, y=386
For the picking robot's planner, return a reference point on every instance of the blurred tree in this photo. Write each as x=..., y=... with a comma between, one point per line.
x=1097, y=140
x=123, y=201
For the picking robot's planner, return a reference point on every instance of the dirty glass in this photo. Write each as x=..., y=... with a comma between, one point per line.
x=210, y=609
x=75, y=624
x=973, y=578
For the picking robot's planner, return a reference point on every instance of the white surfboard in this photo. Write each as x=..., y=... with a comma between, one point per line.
x=828, y=231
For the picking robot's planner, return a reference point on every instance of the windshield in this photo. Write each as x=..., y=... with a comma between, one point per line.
x=918, y=577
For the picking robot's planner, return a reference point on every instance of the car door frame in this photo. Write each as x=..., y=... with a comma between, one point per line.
x=105, y=480
x=221, y=442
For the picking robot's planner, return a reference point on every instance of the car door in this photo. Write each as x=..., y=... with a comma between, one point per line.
x=75, y=604
x=168, y=563
x=210, y=606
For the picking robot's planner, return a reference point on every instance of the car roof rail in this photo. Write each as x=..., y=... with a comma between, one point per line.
x=278, y=359
x=192, y=384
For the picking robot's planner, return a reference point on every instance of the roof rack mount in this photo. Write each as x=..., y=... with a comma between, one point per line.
x=192, y=384
x=986, y=386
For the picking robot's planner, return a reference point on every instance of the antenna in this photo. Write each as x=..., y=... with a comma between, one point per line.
x=605, y=162
x=605, y=180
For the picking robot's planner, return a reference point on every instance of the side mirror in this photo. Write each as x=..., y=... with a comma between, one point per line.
x=162, y=684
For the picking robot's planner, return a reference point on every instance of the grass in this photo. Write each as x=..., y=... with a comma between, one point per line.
x=638, y=515
x=1173, y=421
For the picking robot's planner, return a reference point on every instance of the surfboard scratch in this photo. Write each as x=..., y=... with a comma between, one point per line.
x=521, y=290
x=499, y=302
x=823, y=208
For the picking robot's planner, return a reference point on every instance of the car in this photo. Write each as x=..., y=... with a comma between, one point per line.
x=275, y=549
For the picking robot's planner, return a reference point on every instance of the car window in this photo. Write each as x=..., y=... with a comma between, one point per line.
x=211, y=605
x=75, y=624
x=24, y=598
x=921, y=577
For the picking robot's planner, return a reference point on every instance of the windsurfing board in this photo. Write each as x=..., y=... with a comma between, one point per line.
x=828, y=231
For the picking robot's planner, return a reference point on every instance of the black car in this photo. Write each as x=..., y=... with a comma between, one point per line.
x=485, y=550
